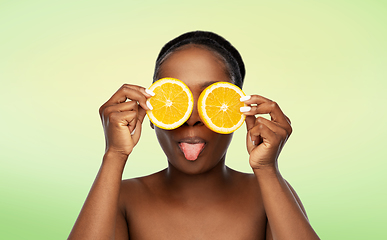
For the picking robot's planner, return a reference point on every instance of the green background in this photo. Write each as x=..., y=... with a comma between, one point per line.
x=324, y=62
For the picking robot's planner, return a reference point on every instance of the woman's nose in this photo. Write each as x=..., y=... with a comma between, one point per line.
x=194, y=119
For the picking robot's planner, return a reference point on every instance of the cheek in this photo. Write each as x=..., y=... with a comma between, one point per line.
x=220, y=144
x=164, y=138
x=161, y=135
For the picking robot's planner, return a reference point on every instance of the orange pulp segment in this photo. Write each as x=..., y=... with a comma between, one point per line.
x=172, y=103
x=219, y=107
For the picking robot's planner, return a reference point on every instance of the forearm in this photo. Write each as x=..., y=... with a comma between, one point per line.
x=286, y=218
x=98, y=215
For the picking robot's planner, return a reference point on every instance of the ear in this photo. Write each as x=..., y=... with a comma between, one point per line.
x=151, y=125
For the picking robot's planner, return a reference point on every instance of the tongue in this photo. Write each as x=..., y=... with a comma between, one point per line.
x=191, y=151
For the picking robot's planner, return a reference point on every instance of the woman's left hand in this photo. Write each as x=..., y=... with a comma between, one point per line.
x=265, y=138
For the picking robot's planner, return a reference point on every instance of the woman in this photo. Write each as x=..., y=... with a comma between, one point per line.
x=200, y=199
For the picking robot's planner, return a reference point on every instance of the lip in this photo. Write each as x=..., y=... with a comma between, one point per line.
x=192, y=140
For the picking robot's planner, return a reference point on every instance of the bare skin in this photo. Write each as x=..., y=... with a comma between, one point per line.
x=201, y=199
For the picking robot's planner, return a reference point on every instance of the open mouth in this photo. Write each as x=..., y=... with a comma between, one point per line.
x=192, y=147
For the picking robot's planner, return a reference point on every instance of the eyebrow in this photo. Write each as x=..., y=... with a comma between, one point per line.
x=206, y=84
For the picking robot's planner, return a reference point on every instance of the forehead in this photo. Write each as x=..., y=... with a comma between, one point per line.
x=195, y=66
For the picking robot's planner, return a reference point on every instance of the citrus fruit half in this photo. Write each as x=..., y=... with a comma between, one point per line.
x=172, y=103
x=219, y=107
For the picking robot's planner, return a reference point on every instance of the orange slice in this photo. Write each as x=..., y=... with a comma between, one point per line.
x=219, y=107
x=172, y=103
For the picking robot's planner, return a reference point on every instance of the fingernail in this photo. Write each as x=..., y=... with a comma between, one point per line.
x=133, y=132
x=245, y=98
x=149, y=105
x=149, y=92
x=245, y=109
x=252, y=141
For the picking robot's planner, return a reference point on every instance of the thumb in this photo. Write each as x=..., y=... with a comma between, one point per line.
x=136, y=133
x=141, y=114
x=250, y=122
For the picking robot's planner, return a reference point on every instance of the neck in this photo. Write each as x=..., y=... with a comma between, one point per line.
x=198, y=185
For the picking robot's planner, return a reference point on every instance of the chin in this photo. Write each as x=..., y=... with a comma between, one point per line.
x=193, y=167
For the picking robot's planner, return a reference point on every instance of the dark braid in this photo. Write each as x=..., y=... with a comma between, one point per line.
x=213, y=42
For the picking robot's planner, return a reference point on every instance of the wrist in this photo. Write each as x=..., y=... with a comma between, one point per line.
x=267, y=171
x=116, y=158
x=116, y=153
x=272, y=166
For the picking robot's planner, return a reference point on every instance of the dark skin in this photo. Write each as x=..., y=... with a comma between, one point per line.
x=201, y=199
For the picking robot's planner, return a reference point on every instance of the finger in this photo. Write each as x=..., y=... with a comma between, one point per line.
x=274, y=127
x=264, y=106
x=288, y=119
x=284, y=124
x=263, y=132
x=131, y=92
x=141, y=114
x=254, y=99
x=252, y=141
x=122, y=107
x=127, y=109
x=146, y=92
x=250, y=122
x=124, y=119
x=140, y=118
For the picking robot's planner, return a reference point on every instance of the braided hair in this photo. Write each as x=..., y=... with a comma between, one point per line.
x=212, y=42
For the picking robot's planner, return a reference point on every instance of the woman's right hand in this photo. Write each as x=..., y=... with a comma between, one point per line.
x=122, y=119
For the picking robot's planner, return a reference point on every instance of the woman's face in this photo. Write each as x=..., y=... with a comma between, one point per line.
x=193, y=148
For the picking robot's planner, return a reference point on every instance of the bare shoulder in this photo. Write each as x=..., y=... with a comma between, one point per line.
x=247, y=190
x=141, y=186
x=247, y=181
